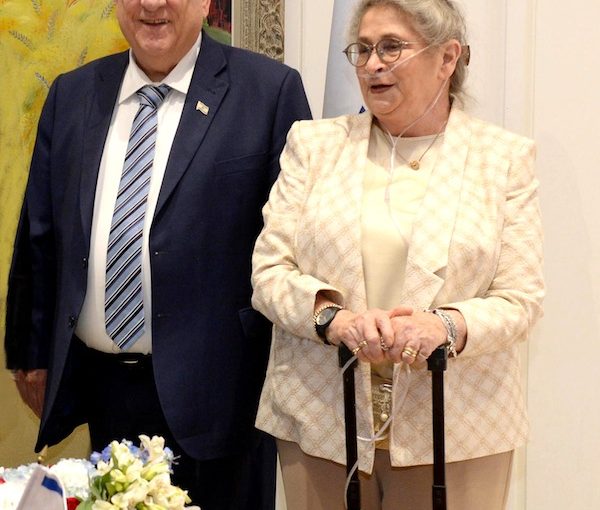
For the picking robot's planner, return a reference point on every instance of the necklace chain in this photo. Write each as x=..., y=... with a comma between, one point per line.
x=415, y=164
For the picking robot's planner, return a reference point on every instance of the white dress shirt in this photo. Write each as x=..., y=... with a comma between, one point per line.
x=91, y=324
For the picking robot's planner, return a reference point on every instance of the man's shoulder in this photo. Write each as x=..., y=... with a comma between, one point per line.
x=250, y=62
x=107, y=63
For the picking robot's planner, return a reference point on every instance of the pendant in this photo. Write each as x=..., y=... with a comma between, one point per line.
x=414, y=164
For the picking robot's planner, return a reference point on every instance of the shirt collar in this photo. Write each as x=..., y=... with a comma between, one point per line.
x=178, y=79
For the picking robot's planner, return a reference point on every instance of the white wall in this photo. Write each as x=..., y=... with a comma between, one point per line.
x=564, y=372
x=533, y=70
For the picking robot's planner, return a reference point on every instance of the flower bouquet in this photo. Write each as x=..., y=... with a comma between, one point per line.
x=129, y=477
x=121, y=477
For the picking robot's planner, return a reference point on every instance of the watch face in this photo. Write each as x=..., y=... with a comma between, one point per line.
x=326, y=315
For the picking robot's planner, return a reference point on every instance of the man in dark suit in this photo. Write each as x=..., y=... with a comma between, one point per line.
x=192, y=363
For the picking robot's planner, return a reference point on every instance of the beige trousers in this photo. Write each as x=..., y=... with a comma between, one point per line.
x=312, y=483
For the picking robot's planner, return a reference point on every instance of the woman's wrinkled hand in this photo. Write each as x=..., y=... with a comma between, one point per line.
x=366, y=333
x=415, y=337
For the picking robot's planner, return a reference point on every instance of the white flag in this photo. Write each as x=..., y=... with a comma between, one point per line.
x=43, y=492
x=342, y=93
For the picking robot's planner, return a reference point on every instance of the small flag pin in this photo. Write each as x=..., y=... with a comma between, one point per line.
x=201, y=107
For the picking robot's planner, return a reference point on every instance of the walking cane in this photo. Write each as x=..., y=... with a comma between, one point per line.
x=437, y=364
x=353, y=489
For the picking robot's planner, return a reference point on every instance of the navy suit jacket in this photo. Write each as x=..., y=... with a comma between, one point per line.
x=209, y=346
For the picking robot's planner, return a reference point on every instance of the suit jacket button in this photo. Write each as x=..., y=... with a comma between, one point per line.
x=72, y=321
x=84, y=262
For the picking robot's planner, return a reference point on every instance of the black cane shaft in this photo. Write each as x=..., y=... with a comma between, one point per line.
x=439, y=497
x=439, y=468
x=353, y=493
x=350, y=417
x=437, y=364
x=439, y=461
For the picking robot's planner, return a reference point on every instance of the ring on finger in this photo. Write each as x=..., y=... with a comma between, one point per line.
x=384, y=347
x=410, y=352
x=361, y=345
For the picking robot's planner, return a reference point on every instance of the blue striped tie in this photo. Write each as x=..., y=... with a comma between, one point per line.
x=124, y=304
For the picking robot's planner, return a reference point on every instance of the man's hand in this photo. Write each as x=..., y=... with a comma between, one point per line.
x=32, y=386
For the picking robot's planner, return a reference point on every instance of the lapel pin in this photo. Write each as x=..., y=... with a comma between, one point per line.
x=201, y=107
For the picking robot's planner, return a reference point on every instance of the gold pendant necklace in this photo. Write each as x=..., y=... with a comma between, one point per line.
x=415, y=164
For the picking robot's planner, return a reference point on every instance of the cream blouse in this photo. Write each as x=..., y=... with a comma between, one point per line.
x=393, y=192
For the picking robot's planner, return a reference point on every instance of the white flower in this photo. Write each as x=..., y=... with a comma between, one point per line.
x=104, y=467
x=134, y=493
x=75, y=476
x=121, y=454
x=155, y=448
x=104, y=505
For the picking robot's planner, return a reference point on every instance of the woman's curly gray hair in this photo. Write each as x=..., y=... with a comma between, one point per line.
x=436, y=20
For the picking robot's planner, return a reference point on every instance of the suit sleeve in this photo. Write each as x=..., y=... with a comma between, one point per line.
x=282, y=292
x=507, y=311
x=31, y=292
x=292, y=105
x=18, y=300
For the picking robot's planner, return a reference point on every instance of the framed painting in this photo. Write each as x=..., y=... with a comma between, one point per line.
x=258, y=26
x=218, y=23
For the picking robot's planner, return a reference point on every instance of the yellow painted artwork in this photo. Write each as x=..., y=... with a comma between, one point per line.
x=39, y=39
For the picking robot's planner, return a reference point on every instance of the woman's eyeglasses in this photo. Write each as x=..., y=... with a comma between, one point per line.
x=388, y=51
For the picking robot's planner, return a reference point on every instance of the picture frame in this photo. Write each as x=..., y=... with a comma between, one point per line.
x=258, y=26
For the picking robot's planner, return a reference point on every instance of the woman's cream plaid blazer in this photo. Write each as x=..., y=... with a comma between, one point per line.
x=476, y=246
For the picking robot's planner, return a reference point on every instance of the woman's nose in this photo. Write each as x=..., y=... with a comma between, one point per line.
x=374, y=63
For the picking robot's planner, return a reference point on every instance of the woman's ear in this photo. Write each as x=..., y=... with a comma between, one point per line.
x=451, y=51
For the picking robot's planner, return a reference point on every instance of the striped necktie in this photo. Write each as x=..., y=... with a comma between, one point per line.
x=124, y=304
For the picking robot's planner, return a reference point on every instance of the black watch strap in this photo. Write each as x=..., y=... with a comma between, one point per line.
x=323, y=318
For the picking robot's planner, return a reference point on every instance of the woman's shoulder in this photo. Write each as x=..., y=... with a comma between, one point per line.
x=489, y=134
x=333, y=129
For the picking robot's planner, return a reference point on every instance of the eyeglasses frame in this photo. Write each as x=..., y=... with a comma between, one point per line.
x=372, y=47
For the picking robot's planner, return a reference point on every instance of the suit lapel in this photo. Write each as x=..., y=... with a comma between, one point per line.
x=434, y=223
x=109, y=76
x=208, y=88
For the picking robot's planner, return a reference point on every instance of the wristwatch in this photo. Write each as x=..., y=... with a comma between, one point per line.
x=323, y=318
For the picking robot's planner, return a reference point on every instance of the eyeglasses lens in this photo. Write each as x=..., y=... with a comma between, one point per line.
x=388, y=51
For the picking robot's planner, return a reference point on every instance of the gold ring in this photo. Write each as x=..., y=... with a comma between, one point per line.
x=361, y=345
x=410, y=352
x=384, y=347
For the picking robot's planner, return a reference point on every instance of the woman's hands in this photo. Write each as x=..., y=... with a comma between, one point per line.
x=398, y=335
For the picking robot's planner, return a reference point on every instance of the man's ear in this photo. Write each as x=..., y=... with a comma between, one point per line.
x=204, y=8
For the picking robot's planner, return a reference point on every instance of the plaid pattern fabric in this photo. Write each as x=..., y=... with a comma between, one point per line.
x=475, y=246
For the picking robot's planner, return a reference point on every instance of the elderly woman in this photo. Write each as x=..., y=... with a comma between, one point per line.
x=395, y=231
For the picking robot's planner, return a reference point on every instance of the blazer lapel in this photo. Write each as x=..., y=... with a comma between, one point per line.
x=207, y=89
x=98, y=116
x=434, y=223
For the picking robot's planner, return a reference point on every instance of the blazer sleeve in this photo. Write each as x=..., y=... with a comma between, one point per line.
x=282, y=292
x=507, y=311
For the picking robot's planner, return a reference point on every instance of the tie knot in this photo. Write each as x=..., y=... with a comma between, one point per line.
x=153, y=96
